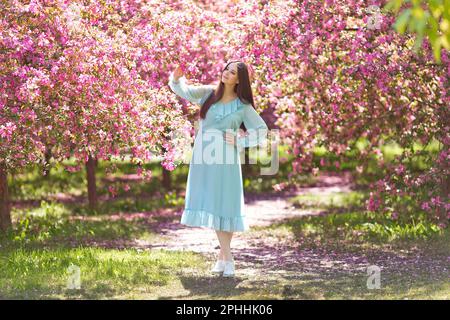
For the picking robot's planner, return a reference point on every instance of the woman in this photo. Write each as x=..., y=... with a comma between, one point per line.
x=214, y=191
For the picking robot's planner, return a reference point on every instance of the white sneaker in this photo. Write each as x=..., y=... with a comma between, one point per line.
x=228, y=270
x=218, y=267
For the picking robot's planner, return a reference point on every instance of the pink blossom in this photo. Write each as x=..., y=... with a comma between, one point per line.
x=112, y=190
x=425, y=206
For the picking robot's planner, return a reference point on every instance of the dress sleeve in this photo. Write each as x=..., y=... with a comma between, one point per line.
x=189, y=92
x=256, y=129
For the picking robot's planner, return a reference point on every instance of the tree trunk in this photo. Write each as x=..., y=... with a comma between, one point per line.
x=5, y=210
x=91, y=165
x=46, y=169
x=166, y=179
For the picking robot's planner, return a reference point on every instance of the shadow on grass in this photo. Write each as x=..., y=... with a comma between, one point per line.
x=212, y=287
x=55, y=223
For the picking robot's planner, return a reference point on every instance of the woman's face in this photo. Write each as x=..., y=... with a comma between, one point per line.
x=230, y=74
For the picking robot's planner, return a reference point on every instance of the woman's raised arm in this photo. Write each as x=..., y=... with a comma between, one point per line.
x=193, y=93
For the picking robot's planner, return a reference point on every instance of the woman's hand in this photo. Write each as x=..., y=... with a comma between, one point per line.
x=178, y=73
x=229, y=138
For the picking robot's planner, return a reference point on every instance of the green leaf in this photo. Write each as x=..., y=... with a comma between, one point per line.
x=433, y=24
x=393, y=5
x=446, y=14
x=418, y=42
x=436, y=44
x=445, y=41
x=402, y=21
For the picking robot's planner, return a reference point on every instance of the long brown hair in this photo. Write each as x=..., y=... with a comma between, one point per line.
x=243, y=89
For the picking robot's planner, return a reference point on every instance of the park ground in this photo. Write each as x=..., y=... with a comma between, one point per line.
x=314, y=241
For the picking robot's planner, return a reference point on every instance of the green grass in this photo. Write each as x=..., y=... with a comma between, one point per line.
x=104, y=274
x=36, y=255
x=54, y=222
x=353, y=199
x=342, y=216
x=350, y=159
x=139, y=274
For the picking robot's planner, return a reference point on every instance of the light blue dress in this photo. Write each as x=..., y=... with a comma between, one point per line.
x=214, y=190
